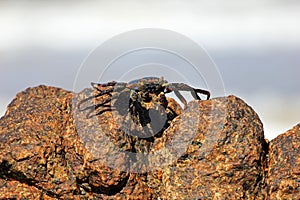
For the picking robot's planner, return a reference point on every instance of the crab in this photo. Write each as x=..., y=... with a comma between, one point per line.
x=142, y=101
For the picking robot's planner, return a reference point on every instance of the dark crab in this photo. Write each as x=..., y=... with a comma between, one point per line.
x=142, y=101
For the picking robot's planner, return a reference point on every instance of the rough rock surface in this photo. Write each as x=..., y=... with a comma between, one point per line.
x=33, y=154
x=225, y=158
x=284, y=165
x=41, y=154
x=214, y=149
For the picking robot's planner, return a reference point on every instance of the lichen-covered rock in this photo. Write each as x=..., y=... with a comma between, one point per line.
x=284, y=165
x=224, y=158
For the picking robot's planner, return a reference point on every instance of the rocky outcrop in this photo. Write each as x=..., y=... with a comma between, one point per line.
x=225, y=159
x=284, y=165
x=214, y=149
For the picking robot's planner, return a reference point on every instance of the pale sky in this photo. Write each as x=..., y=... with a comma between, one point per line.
x=69, y=24
x=255, y=45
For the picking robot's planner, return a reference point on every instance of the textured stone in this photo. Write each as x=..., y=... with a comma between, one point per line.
x=214, y=149
x=224, y=158
x=32, y=141
x=18, y=190
x=284, y=165
x=44, y=153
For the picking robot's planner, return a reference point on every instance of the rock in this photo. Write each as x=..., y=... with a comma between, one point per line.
x=33, y=150
x=284, y=165
x=42, y=153
x=224, y=158
x=50, y=148
x=17, y=190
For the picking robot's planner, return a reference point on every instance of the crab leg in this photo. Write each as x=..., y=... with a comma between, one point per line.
x=117, y=86
x=103, y=111
x=89, y=114
x=101, y=92
x=180, y=97
x=207, y=93
x=185, y=87
x=95, y=106
x=94, y=85
x=87, y=99
x=120, y=86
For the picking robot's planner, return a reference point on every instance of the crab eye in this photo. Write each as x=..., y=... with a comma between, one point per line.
x=133, y=95
x=167, y=90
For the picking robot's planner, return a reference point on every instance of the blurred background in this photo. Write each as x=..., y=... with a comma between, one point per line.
x=255, y=45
